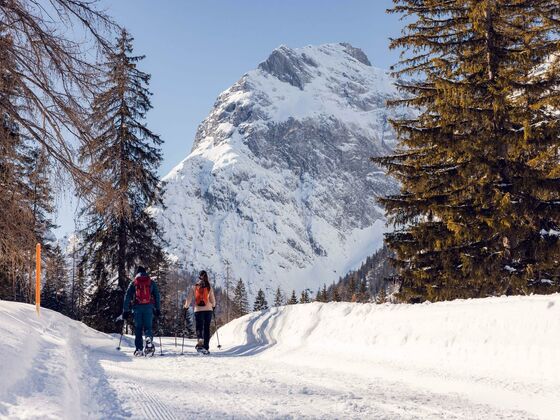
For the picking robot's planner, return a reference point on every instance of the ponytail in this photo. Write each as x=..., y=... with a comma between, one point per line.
x=203, y=276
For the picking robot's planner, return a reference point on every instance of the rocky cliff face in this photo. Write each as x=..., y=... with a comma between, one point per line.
x=279, y=182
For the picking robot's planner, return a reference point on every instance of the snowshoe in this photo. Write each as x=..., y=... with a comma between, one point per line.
x=202, y=350
x=200, y=347
x=150, y=349
x=138, y=353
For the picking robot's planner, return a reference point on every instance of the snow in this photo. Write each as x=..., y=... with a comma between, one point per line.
x=550, y=232
x=290, y=101
x=474, y=359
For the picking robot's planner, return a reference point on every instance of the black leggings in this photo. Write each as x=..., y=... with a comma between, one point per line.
x=203, y=320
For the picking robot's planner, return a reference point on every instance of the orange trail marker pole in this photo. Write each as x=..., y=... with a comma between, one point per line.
x=38, y=277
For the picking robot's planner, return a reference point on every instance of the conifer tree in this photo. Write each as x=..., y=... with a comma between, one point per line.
x=240, y=300
x=351, y=288
x=39, y=192
x=478, y=164
x=79, y=291
x=16, y=217
x=363, y=293
x=336, y=294
x=381, y=296
x=121, y=233
x=304, y=297
x=324, y=294
x=293, y=299
x=278, y=297
x=260, y=301
x=54, y=294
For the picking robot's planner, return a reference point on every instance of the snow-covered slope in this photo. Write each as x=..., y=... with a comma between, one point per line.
x=504, y=352
x=483, y=359
x=279, y=181
x=47, y=368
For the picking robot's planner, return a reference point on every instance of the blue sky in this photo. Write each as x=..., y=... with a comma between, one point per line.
x=196, y=49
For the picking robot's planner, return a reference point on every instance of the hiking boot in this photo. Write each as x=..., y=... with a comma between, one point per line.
x=199, y=344
x=138, y=353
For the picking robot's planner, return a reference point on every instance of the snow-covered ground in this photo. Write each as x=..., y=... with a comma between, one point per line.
x=477, y=359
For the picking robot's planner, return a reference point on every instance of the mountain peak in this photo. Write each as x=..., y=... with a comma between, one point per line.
x=296, y=65
x=288, y=66
x=357, y=53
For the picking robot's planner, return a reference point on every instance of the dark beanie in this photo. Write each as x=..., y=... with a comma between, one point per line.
x=140, y=270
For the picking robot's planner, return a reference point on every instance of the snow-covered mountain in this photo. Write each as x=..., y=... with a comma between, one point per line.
x=279, y=182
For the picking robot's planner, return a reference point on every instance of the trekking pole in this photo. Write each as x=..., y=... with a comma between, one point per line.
x=183, y=343
x=216, y=326
x=160, y=346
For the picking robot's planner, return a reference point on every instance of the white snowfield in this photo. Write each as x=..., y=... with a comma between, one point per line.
x=496, y=358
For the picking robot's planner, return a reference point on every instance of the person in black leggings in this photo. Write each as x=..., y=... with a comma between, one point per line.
x=204, y=300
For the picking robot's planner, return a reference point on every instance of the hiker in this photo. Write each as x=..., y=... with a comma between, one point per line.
x=202, y=295
x=143, y=294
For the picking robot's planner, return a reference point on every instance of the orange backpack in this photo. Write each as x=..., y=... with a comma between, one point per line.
x=201, y=295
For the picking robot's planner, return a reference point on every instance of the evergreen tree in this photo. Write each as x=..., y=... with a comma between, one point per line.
x=79, y=291
x=16, y=218
x=304, y=297
x=350, y=295
x=381, y=296
x=240, y=300
x=260, y=301
x=121, y=233
x=54, y=294
x=324, y=294
x=293, y=299
x=478, y=164
x=278, y=297
x=336, y=295
x=363, y=293
x=39, y=193
x=375, y=270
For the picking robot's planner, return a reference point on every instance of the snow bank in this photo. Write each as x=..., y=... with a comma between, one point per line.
x=46, y=368
x=506, y=339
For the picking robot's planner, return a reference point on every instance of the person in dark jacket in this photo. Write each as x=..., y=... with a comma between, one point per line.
x=142, y=297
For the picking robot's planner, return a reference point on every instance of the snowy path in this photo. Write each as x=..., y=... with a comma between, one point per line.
x=57, y=368
x=237, y=386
